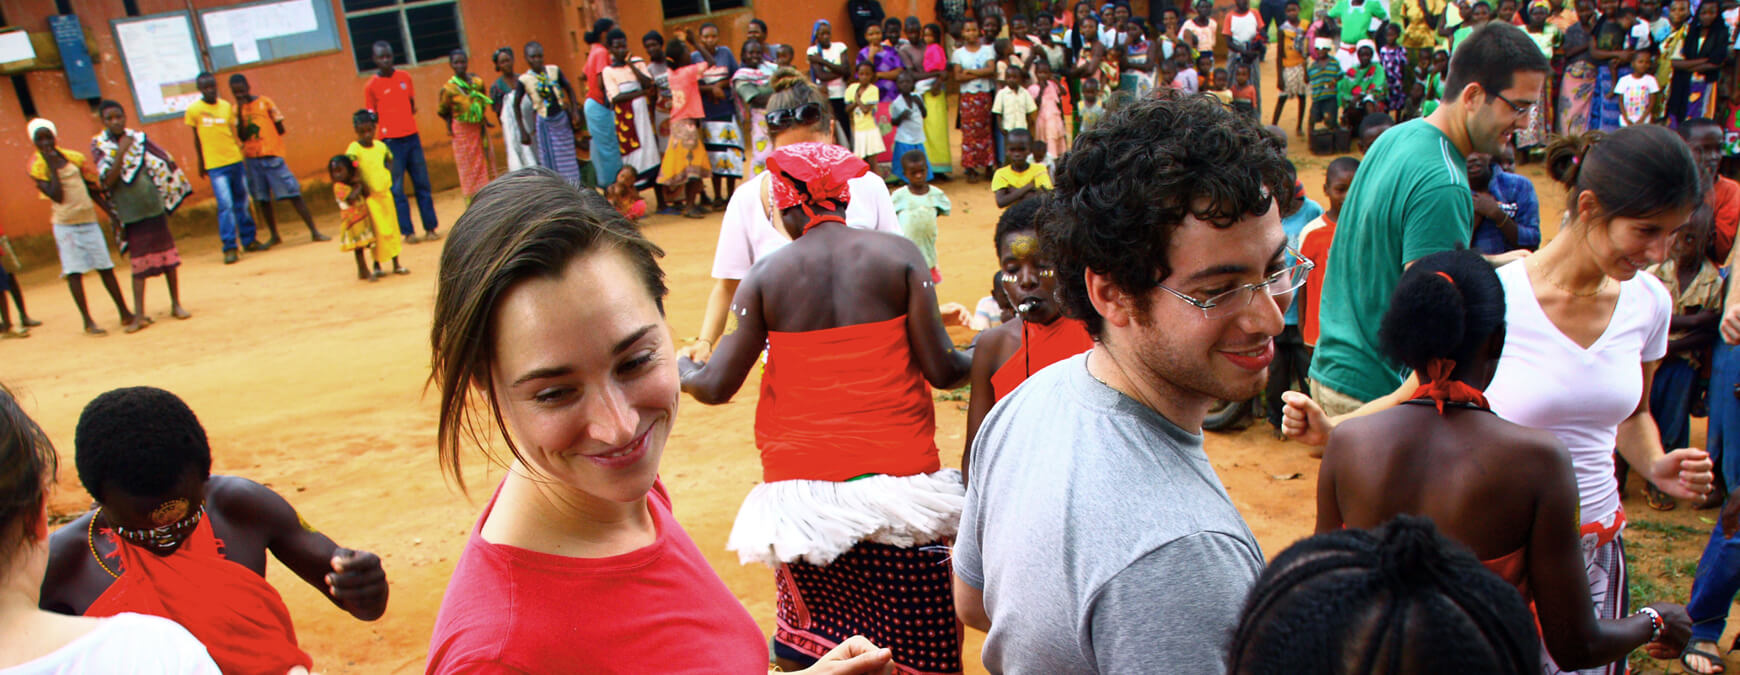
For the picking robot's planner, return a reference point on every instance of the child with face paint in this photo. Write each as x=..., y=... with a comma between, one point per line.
x=1038, y=336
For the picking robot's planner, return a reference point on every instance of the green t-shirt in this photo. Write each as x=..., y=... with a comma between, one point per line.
x=1409, y=199
x=1356, y=21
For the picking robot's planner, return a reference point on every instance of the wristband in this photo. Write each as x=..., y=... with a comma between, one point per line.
x=1655, y=622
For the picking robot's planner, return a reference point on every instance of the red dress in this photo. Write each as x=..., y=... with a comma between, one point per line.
x=1041, y=346
x=230, y=608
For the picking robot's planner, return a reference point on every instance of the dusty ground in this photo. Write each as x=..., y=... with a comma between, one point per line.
x=313, y=383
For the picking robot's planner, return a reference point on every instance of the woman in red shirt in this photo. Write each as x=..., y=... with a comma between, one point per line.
x=551, y=319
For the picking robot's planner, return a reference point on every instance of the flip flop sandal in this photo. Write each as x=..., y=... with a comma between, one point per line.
x=1657, y=499
x=1712, y=657
x=401, y=271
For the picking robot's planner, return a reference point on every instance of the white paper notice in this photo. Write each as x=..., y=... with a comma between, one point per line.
x=217, y=28
x=161, y=61
x=297, y=17
x=244, y=42
x=15, y=46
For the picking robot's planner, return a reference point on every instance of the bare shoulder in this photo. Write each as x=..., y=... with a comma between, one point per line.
x=997, y=344
x=243, y=500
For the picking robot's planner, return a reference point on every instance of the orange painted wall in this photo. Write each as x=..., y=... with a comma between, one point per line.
x=316, y=94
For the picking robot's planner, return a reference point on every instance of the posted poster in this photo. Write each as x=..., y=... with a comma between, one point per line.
x=162, y=63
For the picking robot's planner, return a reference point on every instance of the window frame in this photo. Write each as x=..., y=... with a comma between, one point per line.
x=707, y=10
x=399, y=8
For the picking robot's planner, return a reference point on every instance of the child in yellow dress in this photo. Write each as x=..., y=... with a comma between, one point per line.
x=356, y=229
x=371, y=160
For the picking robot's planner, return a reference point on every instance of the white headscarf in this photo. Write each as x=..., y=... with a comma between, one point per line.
x=40, y=123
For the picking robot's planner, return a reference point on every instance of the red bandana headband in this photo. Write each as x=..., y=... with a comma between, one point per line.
x=1436, y=384
x=812, y=175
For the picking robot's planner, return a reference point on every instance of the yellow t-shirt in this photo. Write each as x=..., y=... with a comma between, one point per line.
x=215, y=124
x=863, y=120
x=1008, y=177
x=373, y=162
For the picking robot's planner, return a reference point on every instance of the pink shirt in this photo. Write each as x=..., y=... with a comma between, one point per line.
x=659, y=609
x=686, y=92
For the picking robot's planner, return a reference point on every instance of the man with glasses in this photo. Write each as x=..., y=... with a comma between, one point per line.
x=1096, y=536
x=1411, y=199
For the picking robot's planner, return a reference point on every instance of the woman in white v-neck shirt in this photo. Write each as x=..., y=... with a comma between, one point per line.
x=1584, y=331
x=798, y=112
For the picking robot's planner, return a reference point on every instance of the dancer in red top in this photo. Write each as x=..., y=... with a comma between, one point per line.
x=854, y=495
x=1010, y=353
x=169, y=539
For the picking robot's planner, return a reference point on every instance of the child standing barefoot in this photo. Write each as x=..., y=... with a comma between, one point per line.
x=372, y=159
x=917, y=205
x=356, y=229
x=861, y=99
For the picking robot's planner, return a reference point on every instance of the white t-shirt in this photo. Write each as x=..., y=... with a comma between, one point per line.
x=1634, y=92
x=1014, y=105
x=747, y=235
x=126, y=643
x=1546, y=381
x=1243, y=28
x=836, y=54
x=975, y=60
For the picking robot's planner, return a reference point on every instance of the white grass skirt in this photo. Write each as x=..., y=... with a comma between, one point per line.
x=816, y=521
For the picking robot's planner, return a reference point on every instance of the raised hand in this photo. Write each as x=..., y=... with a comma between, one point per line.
x=358, y=583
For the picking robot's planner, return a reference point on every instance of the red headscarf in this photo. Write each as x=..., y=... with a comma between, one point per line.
x=813, y=175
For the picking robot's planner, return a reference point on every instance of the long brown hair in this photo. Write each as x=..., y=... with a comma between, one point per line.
x=27, y=467
x=528, y=224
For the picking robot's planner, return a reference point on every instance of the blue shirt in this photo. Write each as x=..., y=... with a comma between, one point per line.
x=1294, y=226
x=1516, y=195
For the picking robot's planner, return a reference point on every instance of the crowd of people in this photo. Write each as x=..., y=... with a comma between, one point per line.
x=1156, y=255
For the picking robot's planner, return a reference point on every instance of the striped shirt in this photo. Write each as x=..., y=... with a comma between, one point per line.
x=1322, y=74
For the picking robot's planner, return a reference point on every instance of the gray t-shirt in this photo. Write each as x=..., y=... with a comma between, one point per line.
x=1100, y=535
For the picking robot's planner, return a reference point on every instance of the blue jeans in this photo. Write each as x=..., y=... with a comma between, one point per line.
x=229, y=184
x=1714, y=587
x=1723, y=442
x=408, y=155
x=1670, y=402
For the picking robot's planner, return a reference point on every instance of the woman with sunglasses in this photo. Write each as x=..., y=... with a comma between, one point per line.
x=169, y=539
x=855, y=509
x=40, y=641
x=797, y=112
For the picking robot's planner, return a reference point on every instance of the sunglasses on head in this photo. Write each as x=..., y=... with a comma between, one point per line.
x=780, y=120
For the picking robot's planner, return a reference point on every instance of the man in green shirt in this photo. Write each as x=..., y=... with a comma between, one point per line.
x=1356, y=18
x=1411, y=199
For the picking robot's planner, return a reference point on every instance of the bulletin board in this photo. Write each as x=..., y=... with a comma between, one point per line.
x=162, y=61
x=239, y=36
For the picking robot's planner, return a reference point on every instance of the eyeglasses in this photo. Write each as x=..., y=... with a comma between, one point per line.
x=1286, y=281
x=780, y=120
x=1514, y=106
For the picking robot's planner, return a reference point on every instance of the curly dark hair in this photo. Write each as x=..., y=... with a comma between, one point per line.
x=1130, y=181
x=1400, y=598
x=1446, y=306
x=140, y=440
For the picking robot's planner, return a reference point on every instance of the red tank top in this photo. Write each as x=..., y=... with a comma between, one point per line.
x=1041, y=346
x=843, y=402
